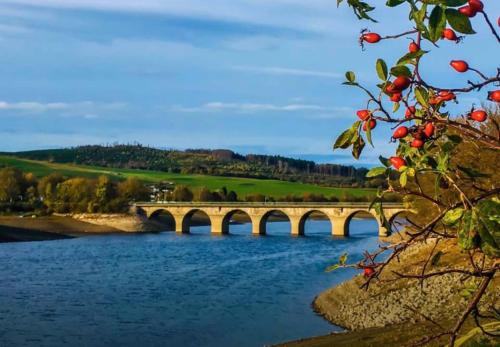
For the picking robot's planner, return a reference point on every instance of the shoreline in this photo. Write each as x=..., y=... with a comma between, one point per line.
x=21, y=228
x=393, y=313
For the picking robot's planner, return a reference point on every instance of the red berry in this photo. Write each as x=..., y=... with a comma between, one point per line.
x=449, y=34
x=478, y=116
x=371, y=37
x=400, y=132
x=402, y=82
x=371, y=122
x=363, y=114
x=494, y=95
x=467, y=11
x=413, y=47
x=476, y=5
x=459, y=65
x=429, y=130
x=391, y=89
x=410, y=112
x=368, y=271
x=435, y=100
x=446, y=95
x=397, y=162
x=417, y=143
x=396, y=97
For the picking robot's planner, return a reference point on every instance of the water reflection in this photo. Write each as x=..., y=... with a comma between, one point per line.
x=173, y=290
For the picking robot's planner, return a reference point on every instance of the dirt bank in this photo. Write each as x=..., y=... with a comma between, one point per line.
x=393, y=313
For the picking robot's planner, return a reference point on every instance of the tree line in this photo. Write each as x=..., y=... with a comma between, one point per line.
x=208, y=162
x=21, y=191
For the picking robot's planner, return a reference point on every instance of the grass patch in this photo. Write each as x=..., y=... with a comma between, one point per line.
x=242, y=186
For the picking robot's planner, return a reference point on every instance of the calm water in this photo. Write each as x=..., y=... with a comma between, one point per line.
x=172, y=290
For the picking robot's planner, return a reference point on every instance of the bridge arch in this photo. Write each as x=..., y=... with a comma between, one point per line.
x=313, y=214
x=241, y=215
x=365, y=214
x=163, y=217
x=274, y=213
x=187, y=219
x=396, y=225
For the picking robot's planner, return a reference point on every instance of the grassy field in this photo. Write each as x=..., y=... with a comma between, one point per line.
x=242, y=186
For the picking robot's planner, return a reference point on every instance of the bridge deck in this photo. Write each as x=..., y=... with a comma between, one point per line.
x=266, y=204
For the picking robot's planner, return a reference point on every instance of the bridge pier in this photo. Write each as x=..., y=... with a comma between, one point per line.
x=340, y=226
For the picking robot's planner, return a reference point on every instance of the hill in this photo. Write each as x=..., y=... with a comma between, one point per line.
x=205, y=162
x=242, y=186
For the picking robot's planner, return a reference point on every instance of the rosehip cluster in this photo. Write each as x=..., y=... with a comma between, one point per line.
x=473, y=7
x=365, y=115
x=395, y=89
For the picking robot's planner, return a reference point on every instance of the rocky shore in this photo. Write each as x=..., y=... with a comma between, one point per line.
x=395, y=311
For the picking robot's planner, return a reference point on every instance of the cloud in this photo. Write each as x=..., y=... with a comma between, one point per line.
x=311, y=15
x=282, y=71
x=84, y=109
x=217, y=106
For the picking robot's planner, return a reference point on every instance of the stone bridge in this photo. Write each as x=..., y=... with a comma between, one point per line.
x=221, y=213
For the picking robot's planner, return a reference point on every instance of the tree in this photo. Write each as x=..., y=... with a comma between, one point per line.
x=434, y=144
x=75, y=195
x=47, y=189
x=182, y=193
x=232, y=196
x=133, y=190
x=105, y=193
x=11, y=185
x=204, y=194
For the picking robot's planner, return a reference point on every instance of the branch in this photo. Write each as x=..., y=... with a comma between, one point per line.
x=472, y=306
x=491, y=26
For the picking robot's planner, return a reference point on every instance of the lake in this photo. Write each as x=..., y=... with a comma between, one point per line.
x=173, y=290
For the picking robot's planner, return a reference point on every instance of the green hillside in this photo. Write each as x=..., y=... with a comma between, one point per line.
x=242, y=186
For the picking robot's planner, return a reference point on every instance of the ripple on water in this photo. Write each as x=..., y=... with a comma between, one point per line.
x=175, y=290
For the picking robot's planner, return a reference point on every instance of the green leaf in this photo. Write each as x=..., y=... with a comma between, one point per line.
x=488, y=212
x=472, y=173
x=436, y=257
x=344, y=140
x=369, y=135
x=468, y=237
x=422, y=96
x=459, y=21
x=350, y=76
x=437, y=23
x=394, y=3
x=358, y=147
x=384, y=161
x=403, y=179
x=343, y=259
x=453, y=216
x=381, y=67
x=455, y=3
x=401, y=70
x=332, y=268
x=410, y=57
x=395, y=107
x=376, y=171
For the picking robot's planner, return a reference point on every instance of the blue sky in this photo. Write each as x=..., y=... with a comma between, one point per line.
x=255, y=76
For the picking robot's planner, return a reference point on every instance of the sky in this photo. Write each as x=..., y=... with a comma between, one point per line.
x=254, y=76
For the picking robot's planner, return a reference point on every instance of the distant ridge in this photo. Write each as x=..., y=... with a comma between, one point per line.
x=217, y=162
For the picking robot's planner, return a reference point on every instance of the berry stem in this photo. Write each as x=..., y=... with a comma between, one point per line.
x=399, y=35
x=479, y=73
